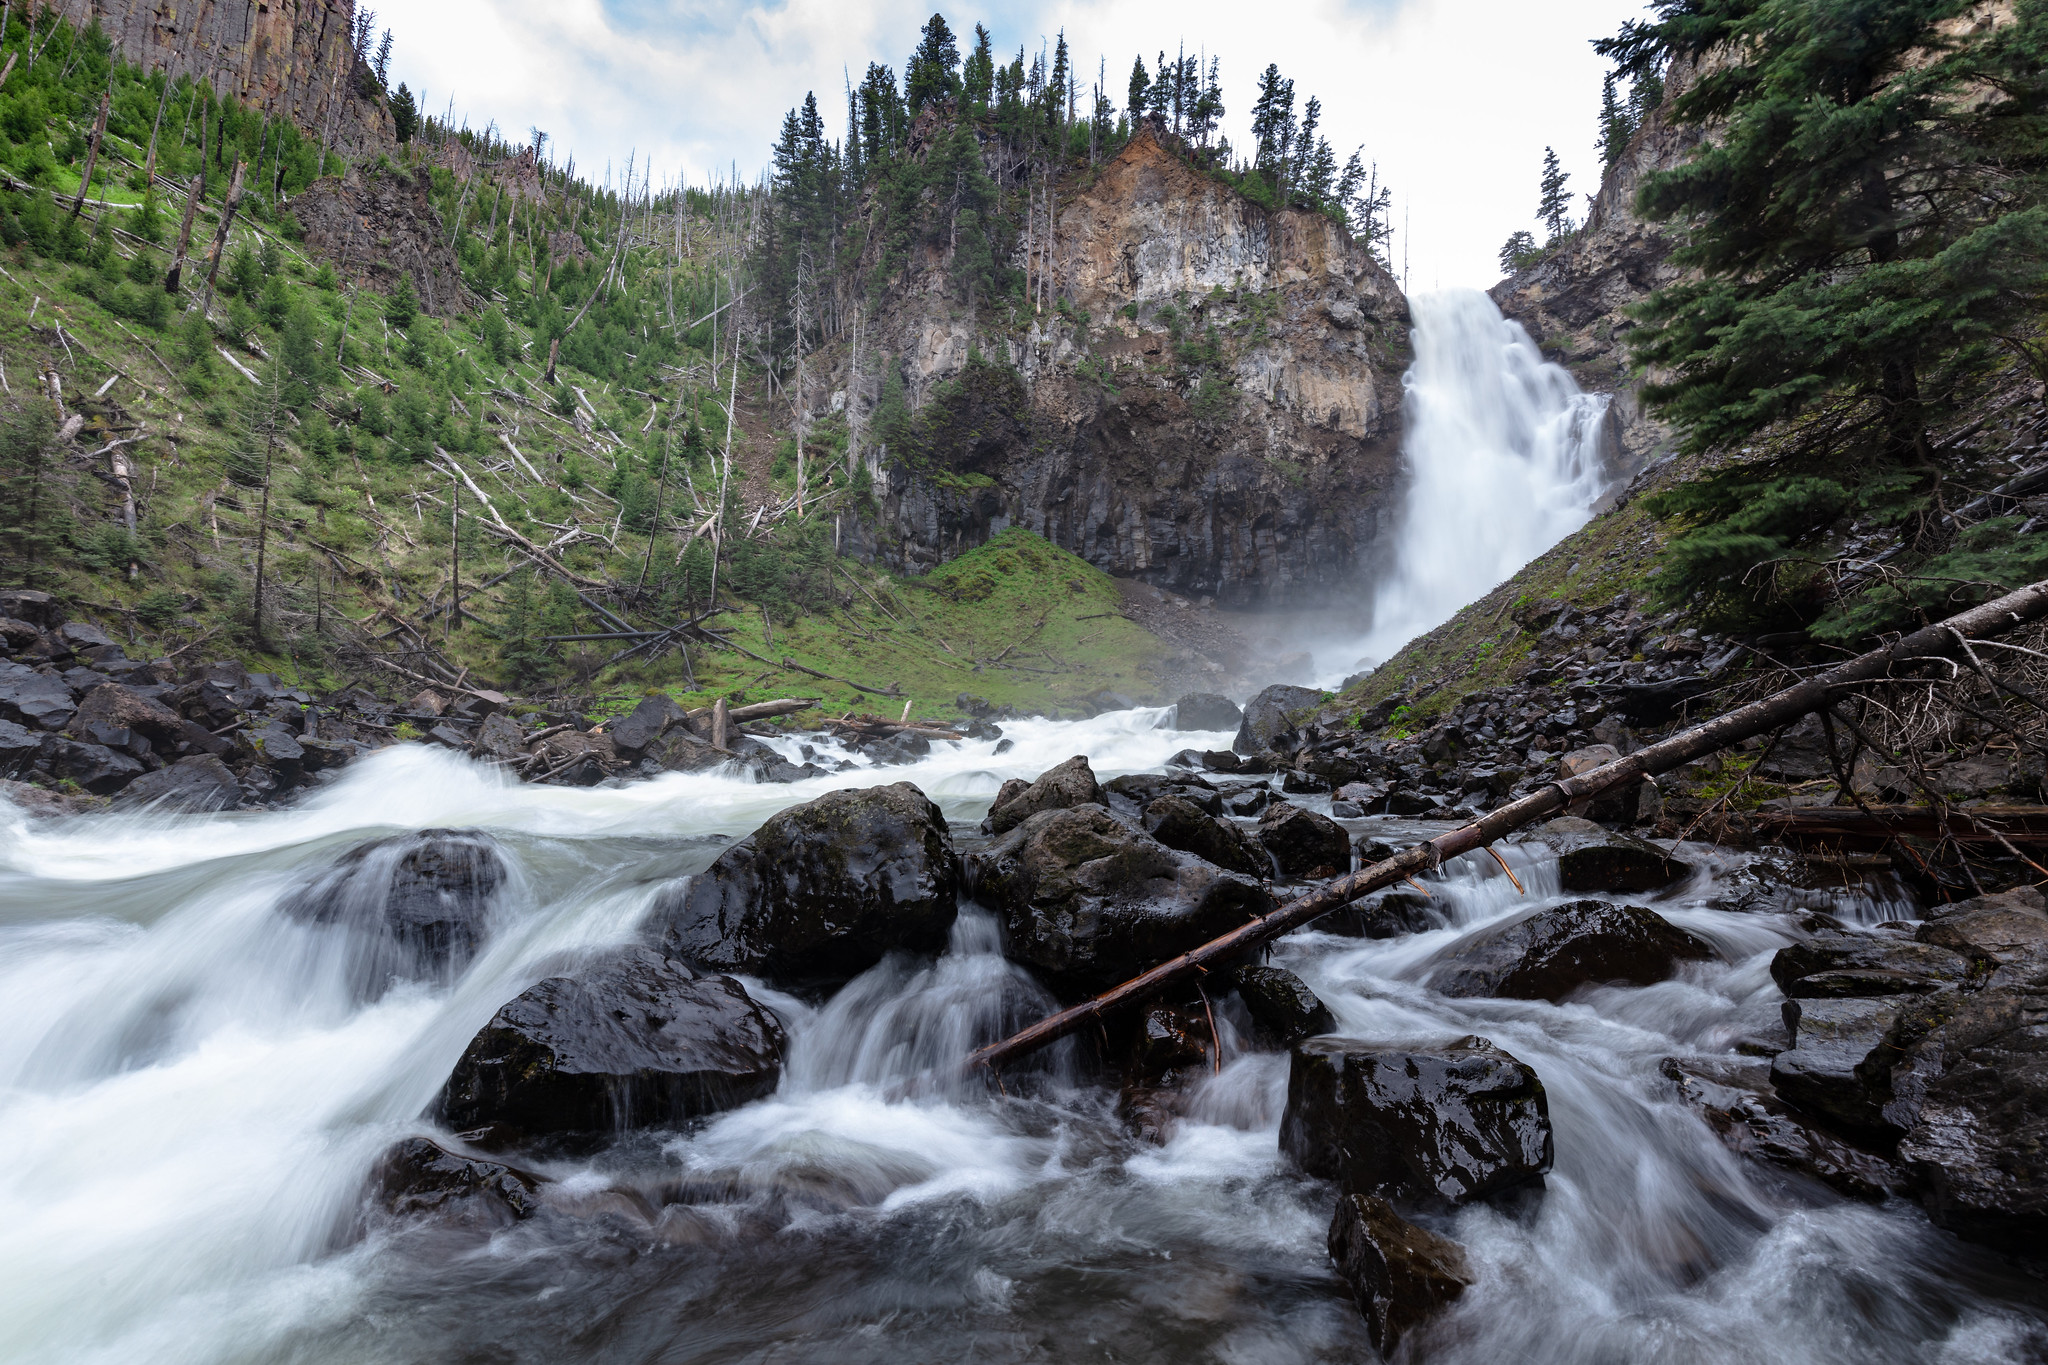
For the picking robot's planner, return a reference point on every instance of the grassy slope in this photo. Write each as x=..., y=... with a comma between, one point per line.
x=1483, y=646
x=354, y=537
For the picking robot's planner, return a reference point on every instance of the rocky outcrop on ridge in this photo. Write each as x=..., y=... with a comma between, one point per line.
x=1214, y=406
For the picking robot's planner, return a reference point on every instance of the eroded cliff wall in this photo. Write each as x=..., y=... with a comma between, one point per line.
x=1213, y=406
x=288, y=57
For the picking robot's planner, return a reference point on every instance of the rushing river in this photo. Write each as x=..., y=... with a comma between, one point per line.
x=192, y=1096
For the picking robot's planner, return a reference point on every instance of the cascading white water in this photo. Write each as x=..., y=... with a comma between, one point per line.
x=1504, y=461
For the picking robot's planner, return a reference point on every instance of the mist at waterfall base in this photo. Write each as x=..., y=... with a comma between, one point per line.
x=1504, y=459
x=192, y=1099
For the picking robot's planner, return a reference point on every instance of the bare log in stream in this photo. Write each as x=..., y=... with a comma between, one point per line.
x=1780, y=708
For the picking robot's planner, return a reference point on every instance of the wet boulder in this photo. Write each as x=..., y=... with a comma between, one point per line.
x=198, y=784
x=1206, y=711
x=680, y=751
x=822, y=890
x=1087, y=901
x=2004, y=936
x=633, y=1040
x=1590, y=858
x=1400, y=1274
x=1550, y=954
x=1735, y=1097
x=634, y=731
x=1971, y=1096
x=420, y=1178
x=18, y=748
x=1179, y=823
x=116, y=706
x=1303, y=843
x=1070, y=784
x=30, y=699
x=1389, y=914
x=498, y=737
x=1835, y=964
x=1245, y=798
x=1428, y=1126
x=1836, y=1068
x=95, y=767
x=1130, y=794
x=414, y=906
x=1266, y=725
x=1283, y=1008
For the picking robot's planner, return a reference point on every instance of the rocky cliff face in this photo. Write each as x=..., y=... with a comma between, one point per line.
x=377, y=225
x=1574, y=301
x=1213, y=406
x=288, y=57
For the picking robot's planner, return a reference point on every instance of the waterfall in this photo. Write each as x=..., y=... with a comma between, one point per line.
x=1504, y=461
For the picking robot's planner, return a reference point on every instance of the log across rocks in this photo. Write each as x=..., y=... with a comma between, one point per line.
x=1085, y=899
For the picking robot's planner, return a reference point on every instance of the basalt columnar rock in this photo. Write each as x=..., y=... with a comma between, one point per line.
x=1418, y=1126
x=295, y=60
x=1070, y=784
x=1212, y=407
x=1550, y=954
x=1086, y=901
x=380, y=224
x=822, y=890
x=633, y=1040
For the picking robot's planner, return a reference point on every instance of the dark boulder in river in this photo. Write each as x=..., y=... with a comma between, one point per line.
x=1070, y=784
x=1281, y=1005
x=1266, y=725
x=822, y=890
x=1553, y=952
x=418, y=904
x=1590, y=858
x=1088, y=901
x=200, y=784
x=633, y=1040
x=1399, y=1273
x=1303, y=843
x=1417, y=1126
x=418, y=1177
x=1178, y=822
x=1206, y=711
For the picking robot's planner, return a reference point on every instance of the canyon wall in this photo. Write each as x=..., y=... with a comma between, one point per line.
x=287, y=57
x=1212, y=403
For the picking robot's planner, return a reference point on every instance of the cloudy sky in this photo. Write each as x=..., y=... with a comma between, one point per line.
x=1456, y=101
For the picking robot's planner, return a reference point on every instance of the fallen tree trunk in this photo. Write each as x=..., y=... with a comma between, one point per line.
x=1769, y=713
x=1974, y=824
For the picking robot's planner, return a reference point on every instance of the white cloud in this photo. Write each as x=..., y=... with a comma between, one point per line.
x=1455, y=101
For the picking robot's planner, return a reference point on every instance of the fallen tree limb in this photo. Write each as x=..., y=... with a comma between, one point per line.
x=1769, y=713
x=1974, y=824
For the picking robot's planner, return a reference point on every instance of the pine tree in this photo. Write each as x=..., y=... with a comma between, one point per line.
x=977, y=78
x=932, y=75
x=1140, y=97
x=1867, y=236
x=1519, y=250
x=1273, y=128
x=402, y=305
x=382, y=65
x=405, y=114
x=1553, y=207
x=1616, y=126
